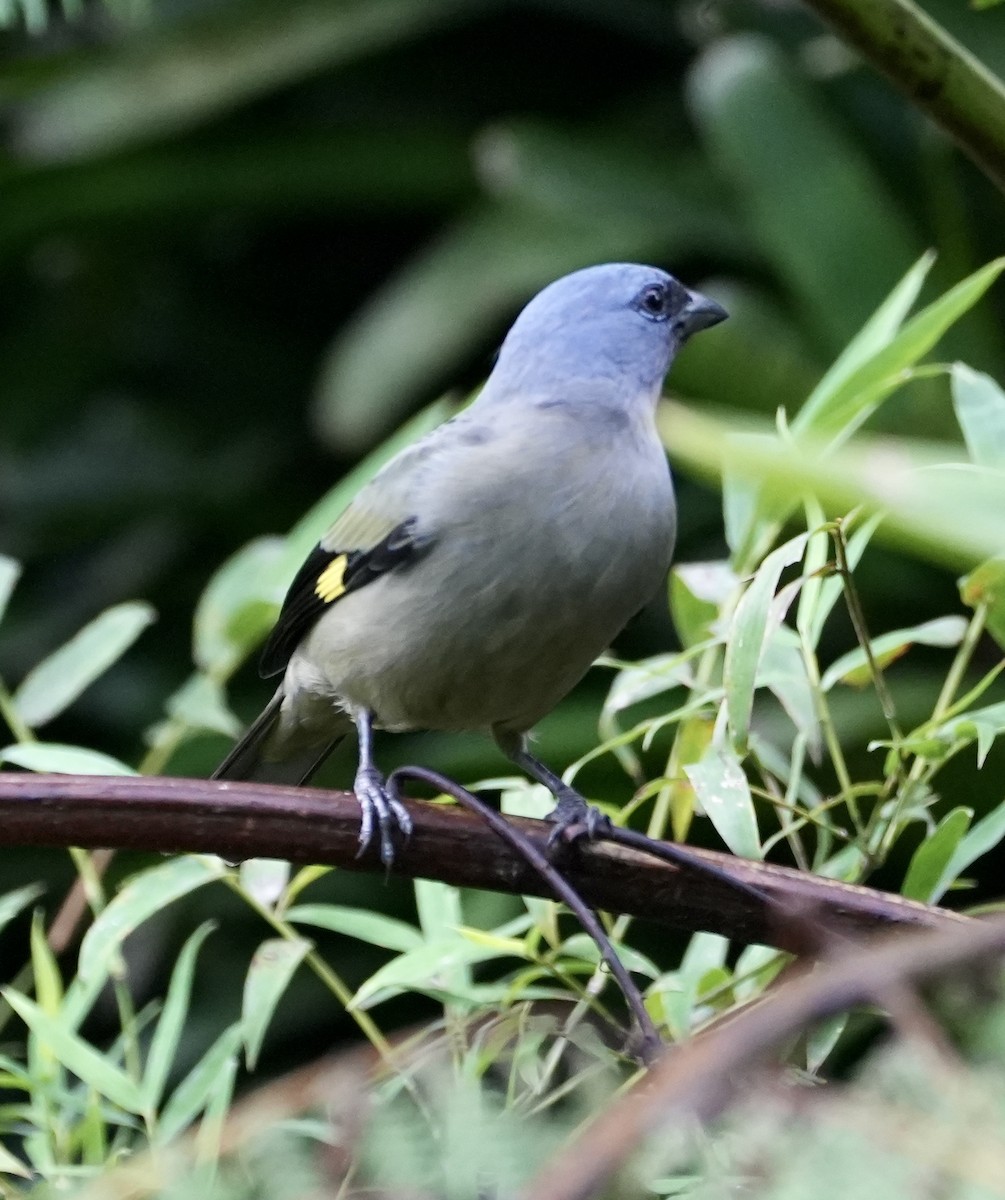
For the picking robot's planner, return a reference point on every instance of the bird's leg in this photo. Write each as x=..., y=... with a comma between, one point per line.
x=376, y=801
x=570, y=807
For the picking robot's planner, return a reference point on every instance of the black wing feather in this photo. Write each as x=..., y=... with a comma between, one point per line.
x=305, y=602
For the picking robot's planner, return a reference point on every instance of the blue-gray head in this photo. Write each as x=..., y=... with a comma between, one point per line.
x=617, y=324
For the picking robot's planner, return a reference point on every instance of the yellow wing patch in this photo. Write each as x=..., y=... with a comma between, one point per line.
x=330, y=583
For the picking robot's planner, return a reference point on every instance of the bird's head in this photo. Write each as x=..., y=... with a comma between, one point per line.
x=617, y=324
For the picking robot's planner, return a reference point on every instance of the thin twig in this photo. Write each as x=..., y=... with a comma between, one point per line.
x=650, y=1046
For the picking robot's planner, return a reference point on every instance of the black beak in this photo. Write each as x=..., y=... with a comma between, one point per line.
x=699, y=313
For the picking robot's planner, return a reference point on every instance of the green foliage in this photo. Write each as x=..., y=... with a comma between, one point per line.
x=229, y=231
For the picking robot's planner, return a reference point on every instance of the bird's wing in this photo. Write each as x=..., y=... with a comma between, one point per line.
x=362, y=545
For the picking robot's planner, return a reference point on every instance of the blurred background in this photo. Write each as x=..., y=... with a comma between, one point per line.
x=241, y=242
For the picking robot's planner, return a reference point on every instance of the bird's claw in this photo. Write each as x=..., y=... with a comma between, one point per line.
x=573, y=819
x=379, y=803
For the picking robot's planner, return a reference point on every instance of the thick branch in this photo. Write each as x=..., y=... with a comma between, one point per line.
x=937, y=74
x=245, y=820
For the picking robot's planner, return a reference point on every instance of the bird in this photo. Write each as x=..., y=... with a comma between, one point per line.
x=473, y=581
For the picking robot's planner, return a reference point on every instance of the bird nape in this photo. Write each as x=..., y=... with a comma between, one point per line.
x=471, y=583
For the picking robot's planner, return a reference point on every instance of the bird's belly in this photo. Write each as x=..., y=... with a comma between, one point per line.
x=496, y=654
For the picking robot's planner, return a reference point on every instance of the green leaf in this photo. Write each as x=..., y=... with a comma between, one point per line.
x=980, y=410
x=361, y=923
x=853, y=668
x=878, y=376
x=643, y=680
x=193, y=1093
x=697, y=593
x=724, y=794
x=932, y=504
x=10, y=573
x=928, y=875
x=62, y=760
x=264, y=879
x=239, y=605
x=986, y=585
x=45, y=970
x=581, y=946
x=783, y=671
x=272, y=967
x=13, y=903
x=145, y=894
x=58, y=680
x=435, y=967
x=980, y=725
x=874, y=336
x=200, y=703
x=77, y=1055
x=167, y=1036
x=984, y=836
x=748, y=635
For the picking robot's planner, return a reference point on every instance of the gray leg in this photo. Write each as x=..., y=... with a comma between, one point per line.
x=375, y=801
x=570, y=807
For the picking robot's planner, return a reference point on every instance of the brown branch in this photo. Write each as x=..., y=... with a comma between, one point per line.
x=932, y=69
x=246, y=820
x=699, y=1079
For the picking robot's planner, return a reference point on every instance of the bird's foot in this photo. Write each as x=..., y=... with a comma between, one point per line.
x=573, y=818
x=379, y=805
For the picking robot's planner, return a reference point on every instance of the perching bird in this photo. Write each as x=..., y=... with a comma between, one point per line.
x=474, y=580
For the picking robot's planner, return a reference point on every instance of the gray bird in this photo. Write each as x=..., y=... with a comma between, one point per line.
x=474, y=580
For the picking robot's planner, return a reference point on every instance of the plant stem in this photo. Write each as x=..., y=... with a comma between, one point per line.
x=938, y=75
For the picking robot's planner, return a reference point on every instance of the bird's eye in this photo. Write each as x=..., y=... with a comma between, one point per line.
x=652, y=301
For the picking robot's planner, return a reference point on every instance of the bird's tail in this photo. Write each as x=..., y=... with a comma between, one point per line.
x=252, y=758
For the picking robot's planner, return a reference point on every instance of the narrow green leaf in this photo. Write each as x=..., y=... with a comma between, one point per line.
x=933, y=505
x=145, y=894
x=783, y=671
x=980, y=410
x=361, y=923
x=822, y=1039
x=724, y=794
x=582, y=946
x=13, y=903
x=191, y=1096
x=10, y=573
x=874, y=335
x=63, y=760
x=928, y=874
x=9, y=1165
x=77, y=1055
x=650, y=677
x=984, y=836
x=272, y=967
x=748, y=634
x=875, y=378
x=167, y=1035
x=44, y=969
x=433, y=967
x=853, y=668
x=58, y=680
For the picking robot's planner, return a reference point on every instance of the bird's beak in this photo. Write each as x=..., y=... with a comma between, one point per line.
x=699, y=313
